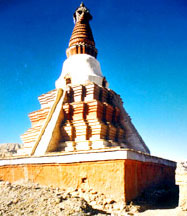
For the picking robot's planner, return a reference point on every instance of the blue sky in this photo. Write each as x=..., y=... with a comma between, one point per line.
x=142, y=51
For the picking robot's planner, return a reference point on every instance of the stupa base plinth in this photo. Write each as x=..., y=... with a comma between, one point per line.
x=117, y=173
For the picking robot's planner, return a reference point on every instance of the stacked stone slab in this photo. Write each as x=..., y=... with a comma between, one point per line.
x=37, y=119
x=91, y=120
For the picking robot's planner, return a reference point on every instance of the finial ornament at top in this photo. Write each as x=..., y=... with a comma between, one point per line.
x=82, y=4
x=82, y=12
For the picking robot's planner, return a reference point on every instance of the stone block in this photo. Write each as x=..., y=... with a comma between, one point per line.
x=104, y=95
x=67, y=111
x=92, y=92
x=83, y=145
x=70, y=146
x=112, y=132
x=100, y=144
x=109, y=112
x=47, y=99
x=79, y=111
x=98, y=130
x=78, y=93
x=95, y=110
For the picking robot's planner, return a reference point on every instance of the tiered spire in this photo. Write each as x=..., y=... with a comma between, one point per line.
x=82, y=41
x=83, y=113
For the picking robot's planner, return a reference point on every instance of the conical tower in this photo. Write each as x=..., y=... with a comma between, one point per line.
x=82, y=113
x=81, y=65
x=82, y=41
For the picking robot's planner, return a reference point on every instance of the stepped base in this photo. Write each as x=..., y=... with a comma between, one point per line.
x=119, y=174
x=69, y=146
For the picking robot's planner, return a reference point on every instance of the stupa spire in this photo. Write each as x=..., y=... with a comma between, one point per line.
x=82, y=113
x=82, y=41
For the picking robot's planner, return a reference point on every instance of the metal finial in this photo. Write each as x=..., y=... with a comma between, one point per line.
x=82, y=4
x=80, y=12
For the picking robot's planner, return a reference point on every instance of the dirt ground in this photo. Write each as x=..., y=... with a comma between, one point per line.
x=163, y=212
x=28, y=199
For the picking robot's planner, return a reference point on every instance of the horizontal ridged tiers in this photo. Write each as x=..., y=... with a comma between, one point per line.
x=82, y=41
x=37, y=119
x=82, y=33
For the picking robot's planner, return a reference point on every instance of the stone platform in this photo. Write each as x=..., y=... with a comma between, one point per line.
x=120, y=174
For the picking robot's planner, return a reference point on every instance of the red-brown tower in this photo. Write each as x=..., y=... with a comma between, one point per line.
x=82, y=41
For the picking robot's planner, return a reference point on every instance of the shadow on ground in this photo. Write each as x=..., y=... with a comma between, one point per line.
x=163, y=196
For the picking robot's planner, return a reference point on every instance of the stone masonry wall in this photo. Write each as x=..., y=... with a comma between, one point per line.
x=121, y=180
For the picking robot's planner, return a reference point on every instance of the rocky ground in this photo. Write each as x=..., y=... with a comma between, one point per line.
x=32, y=199
x=24, y=198
x=9, y=149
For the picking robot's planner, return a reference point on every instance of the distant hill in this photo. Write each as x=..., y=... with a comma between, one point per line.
x=8, y=149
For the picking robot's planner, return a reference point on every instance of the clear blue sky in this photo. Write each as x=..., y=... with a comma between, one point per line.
x=142, y=51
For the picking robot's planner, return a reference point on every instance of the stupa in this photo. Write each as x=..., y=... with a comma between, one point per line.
x=82, y=136
x=82, y=113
